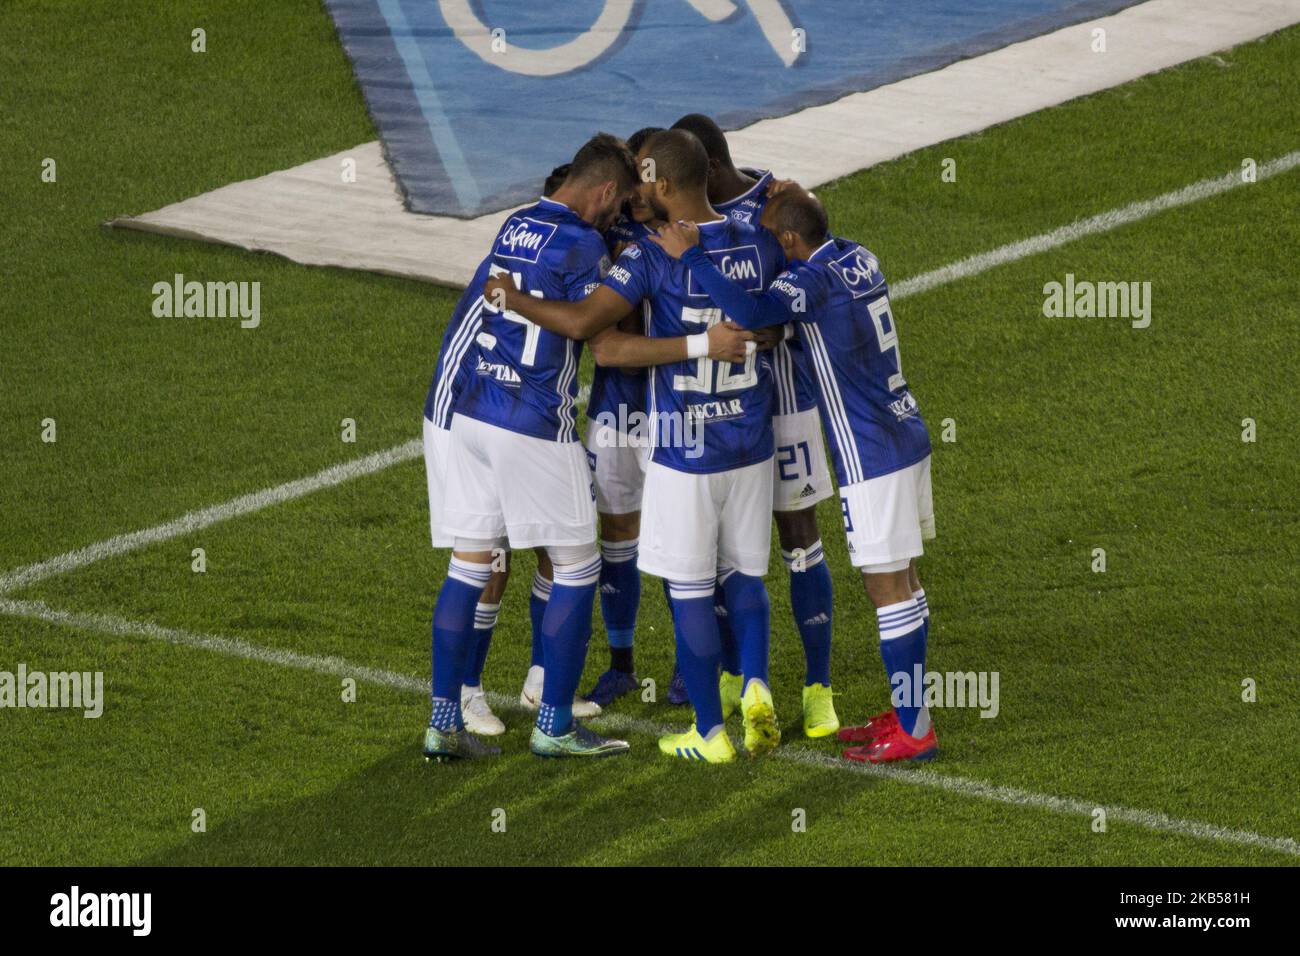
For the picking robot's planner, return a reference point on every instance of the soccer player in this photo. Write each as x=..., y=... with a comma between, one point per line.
x=801, y=477
x=454, y=367
x=514, y=469
x=708, y=483
x=834, y=293
x=618, y=459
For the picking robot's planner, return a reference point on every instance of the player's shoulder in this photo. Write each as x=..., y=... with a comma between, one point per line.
x=848, y=266
x=547, y=230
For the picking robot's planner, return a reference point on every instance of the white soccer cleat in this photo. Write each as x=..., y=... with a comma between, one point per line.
x=479, y=718
x=530, y=698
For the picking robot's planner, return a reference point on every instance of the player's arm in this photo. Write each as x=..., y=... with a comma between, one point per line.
x=576, y=320
x=681, y=241
x=724, y=342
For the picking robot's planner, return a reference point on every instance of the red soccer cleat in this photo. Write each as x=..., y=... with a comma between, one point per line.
x=876, y=726
x=895, y=745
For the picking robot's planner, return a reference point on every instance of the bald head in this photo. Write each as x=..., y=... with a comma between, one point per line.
x=797, y=218
x=679, y=159
x=710, y=136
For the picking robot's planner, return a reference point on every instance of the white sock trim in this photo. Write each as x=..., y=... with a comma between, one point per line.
x=895, y=620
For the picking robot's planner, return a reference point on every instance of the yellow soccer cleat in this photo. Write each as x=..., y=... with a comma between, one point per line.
x=691, y=746
x=761, y=732
x=729, y=686
x=819, y=717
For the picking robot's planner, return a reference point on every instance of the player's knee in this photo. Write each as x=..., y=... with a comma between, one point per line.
x=544, y=568
x=887, y=585
x=575, y=565
x=620, y=527
x=797, y=529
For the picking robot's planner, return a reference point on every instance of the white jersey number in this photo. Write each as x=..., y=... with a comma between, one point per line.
x=727, y=378
x=881, y=311
x=532, y=331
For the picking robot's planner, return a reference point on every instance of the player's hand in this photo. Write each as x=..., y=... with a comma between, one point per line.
x=497, y=291
x=777, y=186
x=675, y=238
x=769, y=337
x=728, y=342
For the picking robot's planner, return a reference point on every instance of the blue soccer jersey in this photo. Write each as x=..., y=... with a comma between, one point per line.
x=618, y=394
x=791, y=370
x=524, y=378
x=706, y=416
x=453, y=370
x=840, y=302
x=624, y=231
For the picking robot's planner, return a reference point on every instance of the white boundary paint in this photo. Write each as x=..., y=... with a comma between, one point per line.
x=617, y=723
x=974, y=265
x=309, y=215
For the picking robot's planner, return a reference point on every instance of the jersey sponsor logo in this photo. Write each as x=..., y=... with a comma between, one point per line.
x=904, y=407
x=524, y=238
x=859, y=271
x=500, y=371
x=620, y=275
x=783, y=285
x=741, y=265
x=715, y=411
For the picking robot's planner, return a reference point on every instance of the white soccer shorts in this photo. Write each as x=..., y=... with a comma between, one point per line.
x=501, y=484
x=800, y=475
x=618, y=462
x=692, y=524
x=887, y=518
x=436, y=442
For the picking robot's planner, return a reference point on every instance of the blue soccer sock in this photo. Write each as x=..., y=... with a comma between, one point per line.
x=698, y=649
x=730, y=650
x=620, y=596
x=566, y=630
x=811, y=601
x=485, y=620
x=902, y=648
x=453, y=633
x=751, y=617
x=541, y=593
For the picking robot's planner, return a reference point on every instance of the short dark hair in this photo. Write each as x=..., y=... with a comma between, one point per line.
x=679, y=158
x=710, y=134
x=554, y=181
x=637, y=139
x=798, y=211
x=604, y=158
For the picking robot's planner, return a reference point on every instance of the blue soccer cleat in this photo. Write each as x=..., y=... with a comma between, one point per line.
x=612, y=685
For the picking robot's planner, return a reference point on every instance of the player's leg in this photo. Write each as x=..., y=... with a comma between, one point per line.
x=679, y=543
x=474, y=705
x=472, y=519
x=555, y=508
x=885, y=524
x=620, y=598
x=802, y=479
x=530, y=697
x=618, y=461
x=744, y=544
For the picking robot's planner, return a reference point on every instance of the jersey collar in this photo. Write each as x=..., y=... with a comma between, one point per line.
x=765, y=176
x=825, y=250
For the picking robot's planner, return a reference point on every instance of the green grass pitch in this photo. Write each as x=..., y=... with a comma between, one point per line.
x=1118, y=689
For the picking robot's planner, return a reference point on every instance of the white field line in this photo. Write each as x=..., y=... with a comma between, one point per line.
x=1093, y=225
x=196, y=520
x=964, y=268
x=612, y=722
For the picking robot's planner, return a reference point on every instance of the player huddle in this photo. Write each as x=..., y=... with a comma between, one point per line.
x=730, y=328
